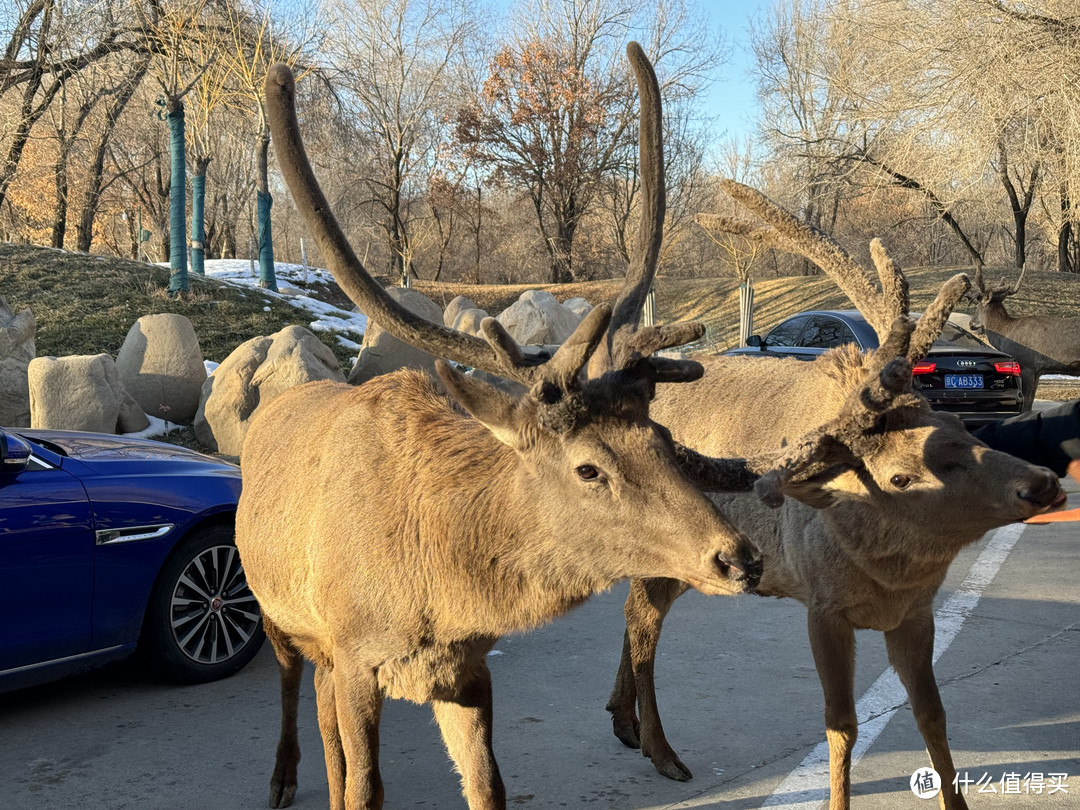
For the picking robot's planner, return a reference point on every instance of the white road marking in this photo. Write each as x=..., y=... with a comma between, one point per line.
x=806, y=787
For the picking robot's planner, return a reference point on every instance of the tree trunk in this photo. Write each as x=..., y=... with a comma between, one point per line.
x=178, y=277
x=198, y=220
x=1065, y=264
x=60, y=217
x=267, y=276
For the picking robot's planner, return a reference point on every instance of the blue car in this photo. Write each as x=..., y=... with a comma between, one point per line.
x=110, y=544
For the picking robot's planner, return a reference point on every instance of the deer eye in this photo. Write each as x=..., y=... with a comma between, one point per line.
x=587, y=472
x=900, y=481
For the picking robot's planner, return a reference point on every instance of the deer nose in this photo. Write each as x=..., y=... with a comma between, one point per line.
x=748, y=570
x=1041, y=489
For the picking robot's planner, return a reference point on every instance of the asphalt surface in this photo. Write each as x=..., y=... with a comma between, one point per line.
x=739, y=696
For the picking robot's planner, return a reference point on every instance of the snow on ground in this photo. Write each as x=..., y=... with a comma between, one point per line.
x=325, y=317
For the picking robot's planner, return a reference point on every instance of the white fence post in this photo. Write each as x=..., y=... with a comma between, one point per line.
x=746, y=311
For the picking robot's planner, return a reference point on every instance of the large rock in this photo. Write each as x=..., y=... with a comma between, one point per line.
x=382, y=353
x=579, y=306
x=469, y=320
x=81, y=392
x=255, y=373
x=16, y=352
x=455, y=308
x=161, y=365
x=538, y=318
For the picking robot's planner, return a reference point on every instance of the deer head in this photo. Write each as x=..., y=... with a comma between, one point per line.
x=989, y=299
x=881, y=440
x=585, y=437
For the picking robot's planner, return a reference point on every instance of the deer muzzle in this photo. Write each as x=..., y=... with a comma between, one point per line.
x=1042, y=491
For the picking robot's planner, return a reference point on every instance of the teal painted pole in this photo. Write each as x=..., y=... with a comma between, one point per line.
x=267, y=279
x=178, y=278
x=198, y=226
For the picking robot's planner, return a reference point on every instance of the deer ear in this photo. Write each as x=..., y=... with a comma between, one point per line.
x=847, y=486
x=494, y=409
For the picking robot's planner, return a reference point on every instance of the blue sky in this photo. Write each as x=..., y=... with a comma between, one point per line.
x=732, y=98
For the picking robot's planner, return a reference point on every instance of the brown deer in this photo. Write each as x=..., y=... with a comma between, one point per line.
x=392, y=532
x=1041, y=344
x=915, y=488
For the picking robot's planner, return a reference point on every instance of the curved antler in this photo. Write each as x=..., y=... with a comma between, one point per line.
x=625, y=348
x=1003, y=290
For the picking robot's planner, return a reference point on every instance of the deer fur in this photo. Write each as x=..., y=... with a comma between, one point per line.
x=392, y=532
x=1041, y=344
x=914, y=489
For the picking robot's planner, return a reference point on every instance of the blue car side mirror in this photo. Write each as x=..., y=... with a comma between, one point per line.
x=14, y=454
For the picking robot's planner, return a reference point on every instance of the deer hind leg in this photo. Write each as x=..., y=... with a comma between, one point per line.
x=833, y=643
x=465, y=722
x=911, y=651
x=291, y=666
x=646, y=607
x=351, y=694
x=333, y=751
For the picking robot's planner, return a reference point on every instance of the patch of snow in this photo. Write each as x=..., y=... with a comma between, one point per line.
x=210, y=367
x=344, y=341
x=158, y=427
x=327, y=317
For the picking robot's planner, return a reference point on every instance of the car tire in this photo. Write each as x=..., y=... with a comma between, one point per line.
x=202, y=622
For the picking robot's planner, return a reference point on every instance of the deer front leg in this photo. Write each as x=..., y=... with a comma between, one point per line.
x=351, y=693
x=911, y=650
x=465, y=722
x=646, y=607
x=832, y=640
x=291, y=666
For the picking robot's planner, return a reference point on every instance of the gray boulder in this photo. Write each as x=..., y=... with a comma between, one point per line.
x=16, y=351
x=382, y=353
x=455, y=308
x=538, y=318
x=256, y=372
x=468, y=321
x=81, y=392
x=161, y=365
x=579, y=306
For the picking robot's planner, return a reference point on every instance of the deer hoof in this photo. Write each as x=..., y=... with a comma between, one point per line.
x=668, y=764
x=282, y=795
x=628, y=730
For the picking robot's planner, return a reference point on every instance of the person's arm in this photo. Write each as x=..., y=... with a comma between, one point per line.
x=1049, y=438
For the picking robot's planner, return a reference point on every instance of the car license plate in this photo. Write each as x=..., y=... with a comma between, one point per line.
x=963, y=381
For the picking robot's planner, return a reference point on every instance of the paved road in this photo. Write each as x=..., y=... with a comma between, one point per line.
x=740, y=700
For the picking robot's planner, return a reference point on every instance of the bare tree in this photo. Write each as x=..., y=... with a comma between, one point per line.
x=392, y=70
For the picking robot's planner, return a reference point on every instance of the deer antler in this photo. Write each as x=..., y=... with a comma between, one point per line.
x=625, y=348
x=497, y=353
x=999, y=293
x=902, y=342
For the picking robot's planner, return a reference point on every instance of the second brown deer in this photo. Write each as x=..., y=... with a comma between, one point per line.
x=1041, y=344
x=912, y=490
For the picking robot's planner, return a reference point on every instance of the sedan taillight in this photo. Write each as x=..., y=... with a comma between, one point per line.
x=1010, y=367
x=926, y=367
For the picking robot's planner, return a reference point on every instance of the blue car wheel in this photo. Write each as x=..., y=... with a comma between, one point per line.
x=203, y=622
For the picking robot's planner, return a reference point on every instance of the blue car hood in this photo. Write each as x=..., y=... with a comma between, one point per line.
x=102, y=452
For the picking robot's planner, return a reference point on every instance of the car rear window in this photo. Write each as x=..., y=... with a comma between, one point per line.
x=953, y=335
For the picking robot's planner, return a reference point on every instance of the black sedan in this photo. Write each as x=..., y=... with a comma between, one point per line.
x=960, y=374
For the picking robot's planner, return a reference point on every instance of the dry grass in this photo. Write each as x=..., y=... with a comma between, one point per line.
x=85, y=304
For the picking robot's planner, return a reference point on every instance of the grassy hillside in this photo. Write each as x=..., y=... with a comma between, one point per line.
x=85, y=304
